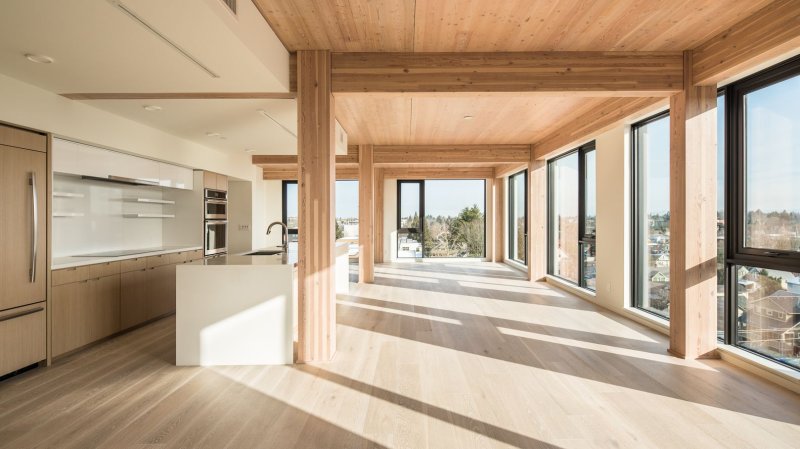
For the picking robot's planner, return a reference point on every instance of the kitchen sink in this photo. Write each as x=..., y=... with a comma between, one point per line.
x=265, y=252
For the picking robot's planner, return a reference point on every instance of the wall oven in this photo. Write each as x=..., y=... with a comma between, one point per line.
x=216, y=205
x=216, y=222
x=216, y=241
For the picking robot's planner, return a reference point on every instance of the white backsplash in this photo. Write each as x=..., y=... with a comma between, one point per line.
x=103, y=226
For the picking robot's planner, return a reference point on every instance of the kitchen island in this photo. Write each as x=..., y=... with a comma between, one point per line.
x=240, y=309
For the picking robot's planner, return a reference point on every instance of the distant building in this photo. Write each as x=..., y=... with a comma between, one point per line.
x=660, y=277
x=771, y=323
x=662, y=260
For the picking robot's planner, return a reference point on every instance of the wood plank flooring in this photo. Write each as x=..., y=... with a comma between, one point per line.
x=430, y=356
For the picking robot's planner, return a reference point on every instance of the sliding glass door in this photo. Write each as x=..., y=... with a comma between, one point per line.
x=441, y=218
x=572, y=216
x=517, y=217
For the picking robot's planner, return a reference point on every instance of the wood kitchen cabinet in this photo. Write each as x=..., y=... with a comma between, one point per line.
x=22, y=333
x=215, y=181
x=84, y=312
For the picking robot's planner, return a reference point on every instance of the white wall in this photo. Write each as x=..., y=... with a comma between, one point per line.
x=613, y=219
x=27, y=105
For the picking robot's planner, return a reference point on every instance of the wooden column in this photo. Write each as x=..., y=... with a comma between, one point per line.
x=379, y=185
x=537, y=219
x=316, y=229
x=499, y=219
x=366, y=210
x=693, y=219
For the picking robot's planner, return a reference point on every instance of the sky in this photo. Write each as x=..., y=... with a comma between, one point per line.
x=443, y=197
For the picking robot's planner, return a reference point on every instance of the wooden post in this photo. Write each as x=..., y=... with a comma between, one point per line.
x=693, y=219
x=316, y=229
x=366, y=210
x=379, y=185
x=499, y=219
x=537, y=219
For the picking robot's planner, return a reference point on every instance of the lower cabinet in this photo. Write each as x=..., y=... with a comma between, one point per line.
x=22, y=334
x=85, y=311
x=147, y=294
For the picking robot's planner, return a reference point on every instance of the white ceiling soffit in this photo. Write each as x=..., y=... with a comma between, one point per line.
x=99, y=48
x=240, y=124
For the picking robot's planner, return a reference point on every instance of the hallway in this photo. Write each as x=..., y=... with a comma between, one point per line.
x=466, y=355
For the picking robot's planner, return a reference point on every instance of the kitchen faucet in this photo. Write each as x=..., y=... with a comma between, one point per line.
x=284, y=237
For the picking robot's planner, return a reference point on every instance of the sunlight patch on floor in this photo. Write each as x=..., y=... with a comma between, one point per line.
x=424, y=316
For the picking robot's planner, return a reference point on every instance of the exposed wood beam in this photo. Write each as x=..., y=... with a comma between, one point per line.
x=386, y=155
x=693, y=219
x=289, y=172
x=509, y=169
x=438, y=154
x=610, y=113
x=316, y=238
x=366, y=211
x=181, y=96
x=625, y=73
x=438, y=173
x=769, y=33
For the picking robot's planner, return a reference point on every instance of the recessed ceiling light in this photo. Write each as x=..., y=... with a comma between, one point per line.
x=151, y=107
x=468, y=117
x=212, y=134
x=249, y=150
x=39, y=59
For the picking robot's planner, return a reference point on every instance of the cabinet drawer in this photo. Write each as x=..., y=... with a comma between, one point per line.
x=157, y=261
x=179, y=257
x=102, y=270
x=22, y=138
x=139, y=263
x=70, y=275
x=194, y=255
x=22, y=337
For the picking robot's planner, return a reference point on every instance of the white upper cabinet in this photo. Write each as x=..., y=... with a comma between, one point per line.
x=176, y=177
x=84, y=160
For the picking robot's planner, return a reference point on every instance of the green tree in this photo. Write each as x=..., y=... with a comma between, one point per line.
x=339, y=230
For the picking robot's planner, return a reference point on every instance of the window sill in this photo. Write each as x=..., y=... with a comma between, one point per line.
x=648, y=319
x=517, y=265
x=572, y=288
x=760, y=366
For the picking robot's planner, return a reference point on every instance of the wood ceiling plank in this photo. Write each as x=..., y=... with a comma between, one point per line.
x=648, y=73
x=181, y=96
x=756, y=40
x=386, y=155
x=342, y=25
x=598, y=120
x=438, y=173
x=508, y=25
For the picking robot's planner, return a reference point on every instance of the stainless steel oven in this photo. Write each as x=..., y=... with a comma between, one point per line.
x=216, y=237
x=216, y=204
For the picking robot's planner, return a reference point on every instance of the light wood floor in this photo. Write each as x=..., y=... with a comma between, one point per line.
x=432, y=355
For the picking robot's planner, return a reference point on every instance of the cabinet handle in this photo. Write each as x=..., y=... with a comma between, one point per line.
x=19, y=314
x=35, y=227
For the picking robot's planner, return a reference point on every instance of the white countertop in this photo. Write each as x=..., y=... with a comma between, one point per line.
x=69, y=262
x=288, y=258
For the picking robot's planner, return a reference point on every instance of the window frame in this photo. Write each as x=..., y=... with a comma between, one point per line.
x=421, y=230
x=510, y=225
x=638, y=198
x=583, y=238
x=736, y=254
x=735, y=250
x=284, y=213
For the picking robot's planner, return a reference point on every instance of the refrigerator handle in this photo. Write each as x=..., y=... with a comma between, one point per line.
x=35, y=225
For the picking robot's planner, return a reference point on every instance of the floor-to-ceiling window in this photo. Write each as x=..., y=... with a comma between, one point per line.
x=650, y=157
x=763, y=213
x=518, y=217
x=289, y=209
x=572, y=214
x=441, y=218
x=721, y=198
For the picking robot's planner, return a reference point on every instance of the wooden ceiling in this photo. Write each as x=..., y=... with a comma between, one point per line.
x=490, y=26
x=501, y=25
x=439, y=120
